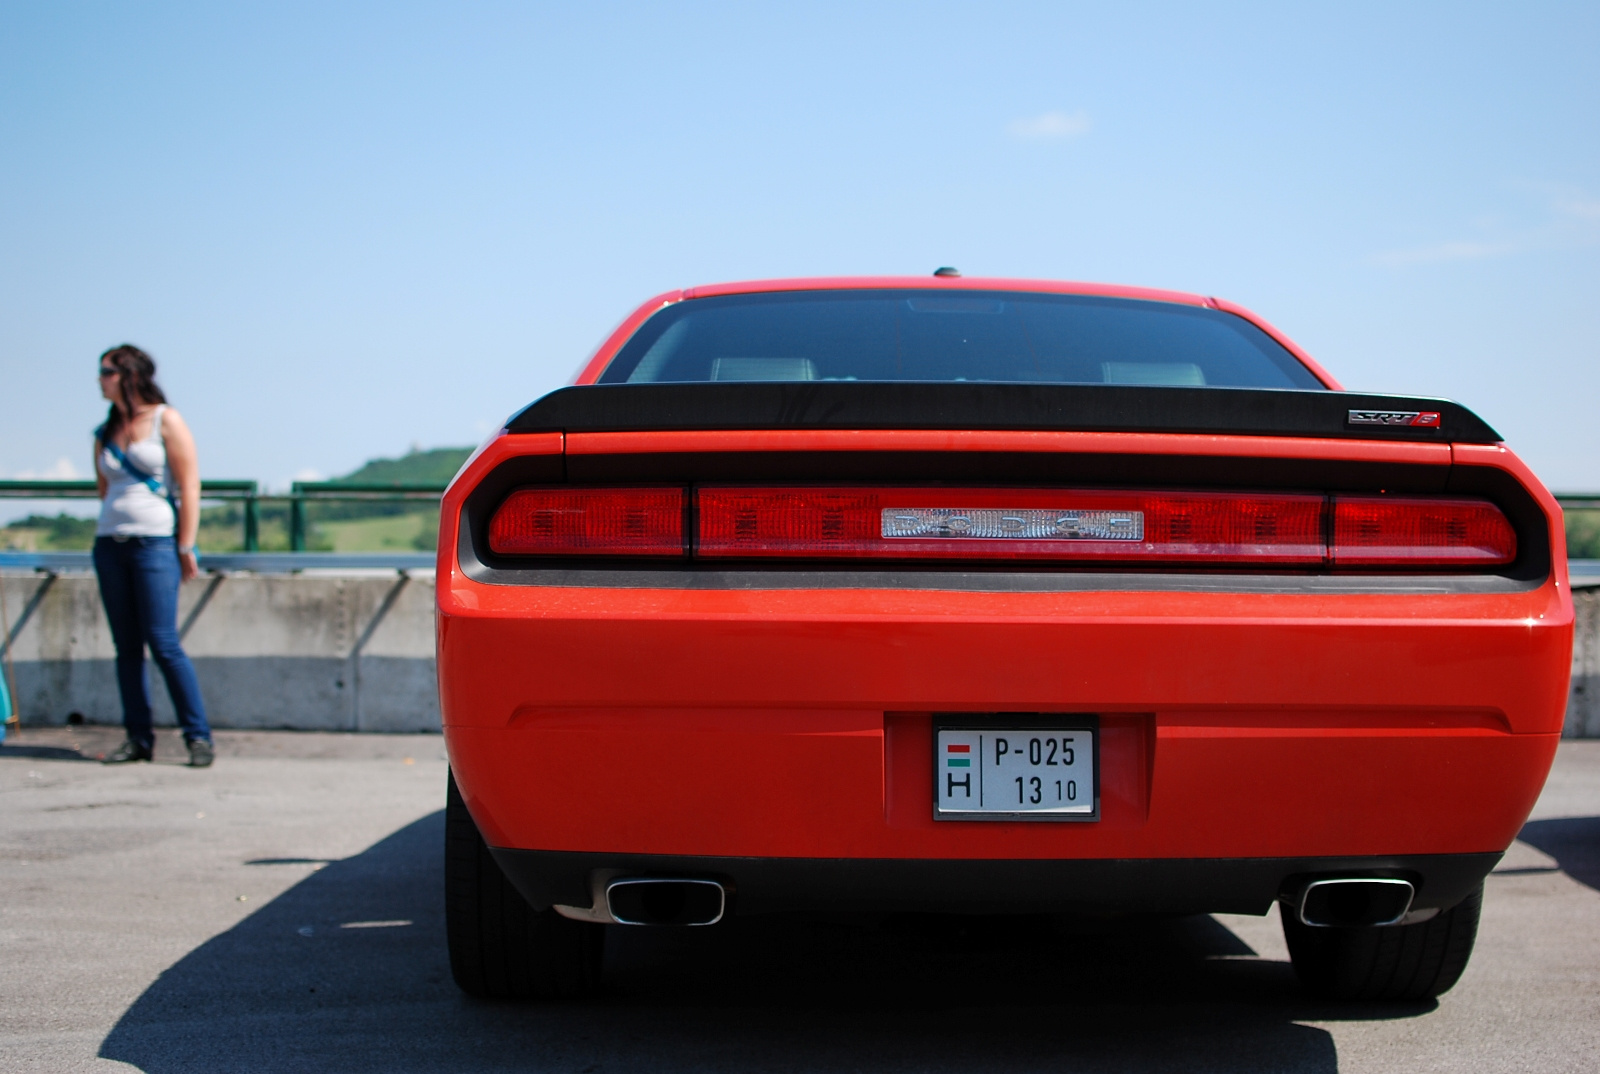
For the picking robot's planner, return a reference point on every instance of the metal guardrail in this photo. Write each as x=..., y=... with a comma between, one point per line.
x=300, y=493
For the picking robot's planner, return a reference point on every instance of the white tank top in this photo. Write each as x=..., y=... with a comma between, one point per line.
x=131, y=508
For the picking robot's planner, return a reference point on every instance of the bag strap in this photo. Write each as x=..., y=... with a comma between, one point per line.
x=133, y=468
x=138, y=472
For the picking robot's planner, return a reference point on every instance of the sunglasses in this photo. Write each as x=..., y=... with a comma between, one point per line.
x=104, y=372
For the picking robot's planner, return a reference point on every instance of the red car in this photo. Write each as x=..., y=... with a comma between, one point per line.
x=988, y=596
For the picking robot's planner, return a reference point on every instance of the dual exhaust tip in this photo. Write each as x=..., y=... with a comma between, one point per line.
x=1359, y=902
x=649, y=900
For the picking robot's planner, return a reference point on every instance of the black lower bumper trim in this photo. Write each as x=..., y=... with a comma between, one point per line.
x=1139, y=885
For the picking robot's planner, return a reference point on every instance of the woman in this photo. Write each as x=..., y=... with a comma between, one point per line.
x=144, y=456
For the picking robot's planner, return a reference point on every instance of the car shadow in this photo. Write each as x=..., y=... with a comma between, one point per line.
x=295, y=987
x=1574, y=842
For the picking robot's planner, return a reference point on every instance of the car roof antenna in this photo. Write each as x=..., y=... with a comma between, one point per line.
x=946, y=270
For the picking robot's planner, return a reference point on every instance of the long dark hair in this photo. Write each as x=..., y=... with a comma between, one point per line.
x=136, y=383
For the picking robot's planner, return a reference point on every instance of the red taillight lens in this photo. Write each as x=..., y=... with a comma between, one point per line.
x=1384, y=531
x=1201, y=528
x=786, y=522
x=1027, y=524
x=590, y=522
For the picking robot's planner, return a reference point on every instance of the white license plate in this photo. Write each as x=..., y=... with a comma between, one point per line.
x=995, y=773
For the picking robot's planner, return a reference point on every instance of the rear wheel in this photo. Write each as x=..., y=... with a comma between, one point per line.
x=500, y=947
x=1401, y=962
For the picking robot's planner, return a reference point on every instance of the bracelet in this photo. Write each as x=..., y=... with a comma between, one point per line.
x=186, y=550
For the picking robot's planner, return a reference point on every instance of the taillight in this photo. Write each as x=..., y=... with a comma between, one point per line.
x=1385, y=531
x=1051, y=525
x=594, y=522
x=1032, y=524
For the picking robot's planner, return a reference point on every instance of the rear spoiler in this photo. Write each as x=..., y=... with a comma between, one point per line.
x=988, y=406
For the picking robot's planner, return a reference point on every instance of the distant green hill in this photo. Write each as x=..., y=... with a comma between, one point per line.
x=435, y=466
x=418, y=467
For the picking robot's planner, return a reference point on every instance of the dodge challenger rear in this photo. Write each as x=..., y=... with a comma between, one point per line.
x=988, y=596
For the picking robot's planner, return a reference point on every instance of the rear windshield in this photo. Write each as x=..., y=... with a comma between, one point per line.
x=947, y=336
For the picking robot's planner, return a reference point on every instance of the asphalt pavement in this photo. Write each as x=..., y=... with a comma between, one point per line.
x=281, y=911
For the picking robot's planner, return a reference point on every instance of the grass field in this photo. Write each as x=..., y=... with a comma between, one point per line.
x=396, y=533
x=412, y=532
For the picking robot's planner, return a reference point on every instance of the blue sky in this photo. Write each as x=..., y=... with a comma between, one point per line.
x=346, y=229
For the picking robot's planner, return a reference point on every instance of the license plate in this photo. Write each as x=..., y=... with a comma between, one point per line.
x=1007, y=772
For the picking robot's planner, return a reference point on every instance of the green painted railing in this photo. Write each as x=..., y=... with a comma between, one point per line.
x=248, y=492
x=303, y=492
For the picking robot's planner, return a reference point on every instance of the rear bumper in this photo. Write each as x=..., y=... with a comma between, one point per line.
x=798, y=724
x=859, y=784
x=1174, y=886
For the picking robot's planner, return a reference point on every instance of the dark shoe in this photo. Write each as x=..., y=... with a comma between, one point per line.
x=128, y=751
x=200, y=753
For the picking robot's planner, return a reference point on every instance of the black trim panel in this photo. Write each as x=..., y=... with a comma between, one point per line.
x=965, y=405
x=1014, y=468
x=1143, y=885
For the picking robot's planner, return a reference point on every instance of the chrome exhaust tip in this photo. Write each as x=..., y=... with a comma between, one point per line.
x=641, y=900
x=1367, y=902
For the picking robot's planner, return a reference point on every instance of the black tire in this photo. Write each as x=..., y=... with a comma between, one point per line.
x=1401, y=962
x=500, y=947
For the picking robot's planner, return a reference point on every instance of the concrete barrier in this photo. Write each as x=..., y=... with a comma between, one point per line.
x=341, y=651
x=324, y=652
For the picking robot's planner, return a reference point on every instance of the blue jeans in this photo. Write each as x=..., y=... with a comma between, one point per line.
x=139, y=580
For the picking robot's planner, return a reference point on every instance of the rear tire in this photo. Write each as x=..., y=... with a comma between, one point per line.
x=500, y=947
x=1400, y=962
